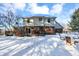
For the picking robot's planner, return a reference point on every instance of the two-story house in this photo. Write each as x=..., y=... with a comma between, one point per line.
x=38, y=25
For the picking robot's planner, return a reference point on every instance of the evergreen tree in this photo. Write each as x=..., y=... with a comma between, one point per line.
x=74, y=24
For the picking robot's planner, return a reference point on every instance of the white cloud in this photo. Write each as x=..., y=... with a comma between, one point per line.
x=35, y=9
x=63, y=20
x=13, y=7
x=19, y=6
x=71, y=11
x=4, y=8
x=57, y=9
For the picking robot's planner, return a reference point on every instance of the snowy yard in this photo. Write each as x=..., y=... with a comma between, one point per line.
x=49, y=45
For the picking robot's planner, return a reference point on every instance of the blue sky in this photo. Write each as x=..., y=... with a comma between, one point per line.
x=61, y=11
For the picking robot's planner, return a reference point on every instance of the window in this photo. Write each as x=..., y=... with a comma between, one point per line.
x=40, y=19
x=48, y=20
x=25, y=20
x=28, y=20
x=31, y=20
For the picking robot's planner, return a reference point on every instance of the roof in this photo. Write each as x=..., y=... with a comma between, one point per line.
x=39, y=17
x=57, y=25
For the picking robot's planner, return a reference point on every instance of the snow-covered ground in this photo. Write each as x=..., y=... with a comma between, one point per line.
x=49, y=45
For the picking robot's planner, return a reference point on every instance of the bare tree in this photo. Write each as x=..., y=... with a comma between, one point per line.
x=9, y=20
x=2, y=20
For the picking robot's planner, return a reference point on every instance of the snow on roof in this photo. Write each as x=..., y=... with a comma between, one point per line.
x=37, y=16
x=57, y=25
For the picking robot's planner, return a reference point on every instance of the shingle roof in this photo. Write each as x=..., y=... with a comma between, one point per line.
x=36, y=16
x=57, y=25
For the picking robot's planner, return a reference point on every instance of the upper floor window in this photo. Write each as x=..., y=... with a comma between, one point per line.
x=40, y=19
x=28, y=20
x=48, y=20
x=31, y=20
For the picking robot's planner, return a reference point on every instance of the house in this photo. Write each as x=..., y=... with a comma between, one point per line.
x=38, y=25
x=2, y=30
x=66, y=28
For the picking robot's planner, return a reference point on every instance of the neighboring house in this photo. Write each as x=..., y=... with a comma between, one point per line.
x=2, y=30
x=9, y=31
x=66, y=28
x=38, y=25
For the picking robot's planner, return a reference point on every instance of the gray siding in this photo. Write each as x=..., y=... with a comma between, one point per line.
x=49, y=24
x=38, y=23
x=43, y=22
